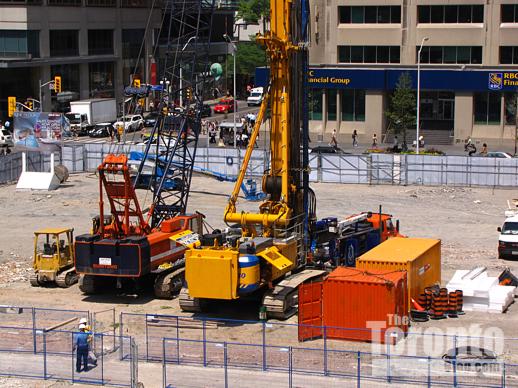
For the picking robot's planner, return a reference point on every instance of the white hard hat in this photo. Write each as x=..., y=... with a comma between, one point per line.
x=83, y=320
x=82, y=326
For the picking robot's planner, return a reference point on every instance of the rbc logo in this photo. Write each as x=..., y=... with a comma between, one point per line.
x=495, y=81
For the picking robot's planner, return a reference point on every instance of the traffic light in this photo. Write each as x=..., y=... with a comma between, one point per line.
x=28, y=103
x=57, y=84
x=188, y=93
x=11, y=106
x=136, y=83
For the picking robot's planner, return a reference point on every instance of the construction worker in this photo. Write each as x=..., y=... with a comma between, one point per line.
x=87, y=329
x=82, y=346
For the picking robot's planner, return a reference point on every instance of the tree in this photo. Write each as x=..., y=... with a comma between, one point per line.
x=401, y=112
x=251, y=11
x=249, y=56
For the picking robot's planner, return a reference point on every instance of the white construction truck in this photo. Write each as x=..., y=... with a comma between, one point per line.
x=508, y=238
x=85, y=114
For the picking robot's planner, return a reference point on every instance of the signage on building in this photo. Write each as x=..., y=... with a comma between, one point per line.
x=499, y=81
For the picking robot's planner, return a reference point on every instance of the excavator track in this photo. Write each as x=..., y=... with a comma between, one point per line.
x=188, y=304
x=87, y=284
x=67, y=278
x=33, y=279
x=167, y=284
x=281, y=302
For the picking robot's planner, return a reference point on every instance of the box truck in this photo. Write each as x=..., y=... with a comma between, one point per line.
x=85, y=114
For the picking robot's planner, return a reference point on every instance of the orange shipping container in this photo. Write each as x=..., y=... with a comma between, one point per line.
x=352, y=298
x=420, y=257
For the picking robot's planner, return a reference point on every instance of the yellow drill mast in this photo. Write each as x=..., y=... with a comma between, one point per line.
x=260, y=258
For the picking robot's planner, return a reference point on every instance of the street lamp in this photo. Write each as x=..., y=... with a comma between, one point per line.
x=419, y=92
x=234, y=50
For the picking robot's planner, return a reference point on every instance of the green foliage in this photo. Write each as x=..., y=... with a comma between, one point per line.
x=252, y=10
x=249, y=56
x=401, y=112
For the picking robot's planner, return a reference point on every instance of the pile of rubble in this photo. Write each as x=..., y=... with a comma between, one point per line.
x=14, y=271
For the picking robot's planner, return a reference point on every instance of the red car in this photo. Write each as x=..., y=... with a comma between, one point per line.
x=224, y=106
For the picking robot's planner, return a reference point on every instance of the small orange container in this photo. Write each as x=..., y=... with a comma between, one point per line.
x=354, y=299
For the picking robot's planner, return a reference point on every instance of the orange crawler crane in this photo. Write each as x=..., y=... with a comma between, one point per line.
x=124, y=247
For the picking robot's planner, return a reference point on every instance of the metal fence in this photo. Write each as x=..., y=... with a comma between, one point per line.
x=304, y=366
x=390, y=169
x=227, y=351
x=150, y=329
x=54, y=357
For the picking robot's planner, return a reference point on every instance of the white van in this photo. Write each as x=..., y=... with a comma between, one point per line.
x=508, y=238
x=256, y=97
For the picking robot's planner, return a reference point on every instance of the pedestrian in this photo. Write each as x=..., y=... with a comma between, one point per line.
x=111, y=132
x=355, y=138
x=374, y=141
x=244, y=138
x=421, y=141
x=81, y=343
x=396, y=144
x=483, y=151
x=215, y=93
x=333, y=141
x=120, y=131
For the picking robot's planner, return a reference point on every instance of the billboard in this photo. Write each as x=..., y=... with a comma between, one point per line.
x=37, y=129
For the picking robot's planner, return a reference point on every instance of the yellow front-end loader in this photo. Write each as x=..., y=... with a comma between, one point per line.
x=54, y=257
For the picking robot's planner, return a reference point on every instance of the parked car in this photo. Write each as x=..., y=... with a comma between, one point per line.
x=101, y=130
x=206, y=111
x=499, y=154
x=131, y=123
x=226, y=105
x=323, y=149
x=150, y=119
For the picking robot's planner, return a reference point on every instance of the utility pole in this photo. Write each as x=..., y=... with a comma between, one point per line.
x=418, y=94
x=234, y=51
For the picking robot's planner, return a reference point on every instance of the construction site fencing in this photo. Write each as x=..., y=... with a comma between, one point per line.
x=150, y=329
x=55, y=357
x=373, y=169
x=39, y=320
x=303, y=366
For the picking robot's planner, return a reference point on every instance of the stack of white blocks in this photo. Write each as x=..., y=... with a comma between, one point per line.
x=481, y=292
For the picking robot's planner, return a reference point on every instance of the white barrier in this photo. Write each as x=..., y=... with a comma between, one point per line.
x=32, y=180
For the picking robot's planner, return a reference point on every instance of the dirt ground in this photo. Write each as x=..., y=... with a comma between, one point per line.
x=465, y=219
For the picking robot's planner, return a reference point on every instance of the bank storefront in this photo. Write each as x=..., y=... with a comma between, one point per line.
x=458, y=103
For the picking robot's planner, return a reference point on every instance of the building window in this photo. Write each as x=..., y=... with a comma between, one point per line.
x=383, y=14
x=352, y=102
x=509, y=13
x=19, y=43
x=101, y=79
x=100, y=42
x=315, y=104
x=450, y=54
x=63, y=3
x=25, y=2
x=510, y=108
x=331, y=104
x=100, y=3
x=133, y=3
x=69, y=86
x=64, y=43
x=450, y=14
x=509, y=55
x=487, y=108
x=131, y=46
x=368, y=54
